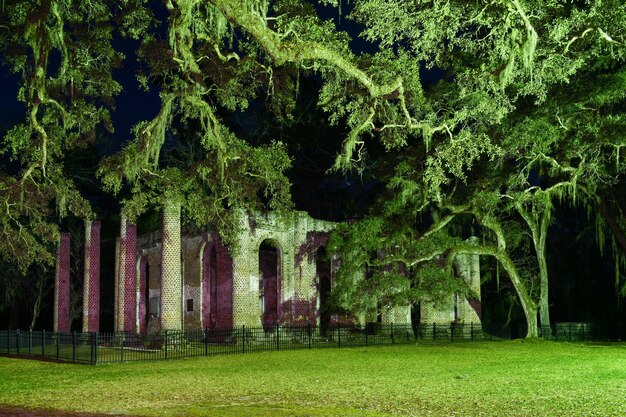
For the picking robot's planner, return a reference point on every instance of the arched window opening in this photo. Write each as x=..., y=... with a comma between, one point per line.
x=322, y=268
x=210, y=307
x=269, y=289
x=217, y=285
x=144, y=294
x=213, y=288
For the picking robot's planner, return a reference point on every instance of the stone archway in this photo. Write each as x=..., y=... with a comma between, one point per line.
x=322, y=272
x=143, y=293
x=269, y=283
x=210, y=299
x=216, y=277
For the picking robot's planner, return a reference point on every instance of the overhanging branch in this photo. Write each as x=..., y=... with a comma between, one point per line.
x=282, y=51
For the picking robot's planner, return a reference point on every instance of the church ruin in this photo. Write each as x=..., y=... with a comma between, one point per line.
x=279, y=274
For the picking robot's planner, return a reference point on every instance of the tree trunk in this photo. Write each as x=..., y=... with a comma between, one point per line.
x=538, y=226
x=544, y=305
x=41, y=291
x=528, y=305
x=611, y=219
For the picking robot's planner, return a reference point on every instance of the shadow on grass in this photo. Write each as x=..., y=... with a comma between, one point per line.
x=215, y=410
x=42, y=412
x=265, y=410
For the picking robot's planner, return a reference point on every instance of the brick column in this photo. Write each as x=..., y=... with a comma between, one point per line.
x=171, y=269
x=126, y=290
x=116, y=293
x=62, y=320
x=141, y=287
x=91, y=280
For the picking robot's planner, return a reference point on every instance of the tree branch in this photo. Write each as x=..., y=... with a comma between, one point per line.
x=611, y=219
x=455, y=211
x=297, y=52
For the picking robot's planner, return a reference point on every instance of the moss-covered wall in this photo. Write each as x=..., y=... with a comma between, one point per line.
x=292, y=235
x=296, y=238
x=458, y=308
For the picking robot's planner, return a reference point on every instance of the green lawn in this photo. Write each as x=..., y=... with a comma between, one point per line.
x=513, y=378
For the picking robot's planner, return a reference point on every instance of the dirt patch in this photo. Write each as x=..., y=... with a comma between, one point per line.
x=21, y=412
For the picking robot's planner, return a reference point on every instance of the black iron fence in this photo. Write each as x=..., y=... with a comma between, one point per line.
x=94, y=348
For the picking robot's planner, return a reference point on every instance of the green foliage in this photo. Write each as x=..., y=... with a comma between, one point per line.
x=385, y=261
x=65, y=104
x=527, y=113
x=198, y=79
x=29, y=234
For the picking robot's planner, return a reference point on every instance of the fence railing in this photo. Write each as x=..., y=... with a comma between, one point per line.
x=94, y=348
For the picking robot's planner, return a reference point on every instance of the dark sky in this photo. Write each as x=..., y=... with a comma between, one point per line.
x=132, y=105
x=10, y=109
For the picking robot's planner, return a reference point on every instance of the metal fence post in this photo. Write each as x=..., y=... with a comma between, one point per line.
x=570, y=331
x=309, y=335
x=206, y=342
x=434, y=330
x=277, y=337
x=165, y=342
x=30, y=342
x=122, y=337
x=17, y=340
x=339, y=334
x=43, y=343
x=91, y=349
x=243, y=338
x=95, y=345
x=73, y=346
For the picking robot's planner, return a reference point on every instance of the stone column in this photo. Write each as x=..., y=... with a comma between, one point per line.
x=171, y=269
x=126, y=290
x=400, y=315
x=468, y=267
x=475, y=300
x=62, y=320
x=91, y=277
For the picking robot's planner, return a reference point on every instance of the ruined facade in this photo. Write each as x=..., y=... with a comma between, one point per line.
x=273, y=276
x=279, y=274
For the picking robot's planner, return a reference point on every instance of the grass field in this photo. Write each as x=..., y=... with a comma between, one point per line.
x=513, y=378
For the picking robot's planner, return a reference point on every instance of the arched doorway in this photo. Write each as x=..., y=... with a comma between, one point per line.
x=210, y=300
x=217, y=285
x=269, y=283
x=322, y=268
x=143, y=294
